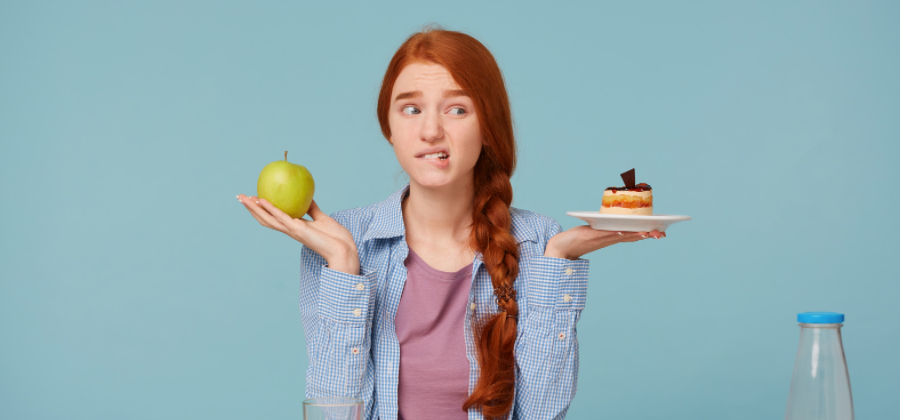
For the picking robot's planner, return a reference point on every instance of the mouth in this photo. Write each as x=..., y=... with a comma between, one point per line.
x=438, y=155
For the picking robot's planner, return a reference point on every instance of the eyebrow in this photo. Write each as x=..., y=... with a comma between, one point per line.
x=417, y=93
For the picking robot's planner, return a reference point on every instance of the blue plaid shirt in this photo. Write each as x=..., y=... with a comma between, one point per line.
x=349, y=319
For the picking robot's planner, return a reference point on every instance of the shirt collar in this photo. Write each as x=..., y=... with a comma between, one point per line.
x=387, y=221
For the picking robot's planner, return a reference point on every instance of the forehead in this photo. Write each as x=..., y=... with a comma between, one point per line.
x=424, y=77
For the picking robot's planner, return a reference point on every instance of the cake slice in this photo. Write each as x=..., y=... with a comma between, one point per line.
x=632, y=199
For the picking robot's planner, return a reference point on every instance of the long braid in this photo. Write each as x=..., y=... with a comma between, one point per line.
x=491, y=234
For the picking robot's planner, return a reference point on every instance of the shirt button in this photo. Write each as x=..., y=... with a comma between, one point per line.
x=360, y=286
x=357, y=312
x=472, y=306
x=562, y=336
x=569, y=271
x=567, y=298
x=354, y=350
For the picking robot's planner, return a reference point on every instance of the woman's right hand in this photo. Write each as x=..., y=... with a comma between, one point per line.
x=322, y=234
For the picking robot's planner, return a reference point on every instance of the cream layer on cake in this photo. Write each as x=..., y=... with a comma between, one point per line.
x=627, y=202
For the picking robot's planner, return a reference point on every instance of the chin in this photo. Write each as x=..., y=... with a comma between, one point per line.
x=434, y=181
x=433, y=184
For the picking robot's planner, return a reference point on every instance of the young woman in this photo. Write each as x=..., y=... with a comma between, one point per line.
x=443, y=302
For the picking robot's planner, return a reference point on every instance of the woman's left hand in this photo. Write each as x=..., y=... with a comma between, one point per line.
x=580, y=240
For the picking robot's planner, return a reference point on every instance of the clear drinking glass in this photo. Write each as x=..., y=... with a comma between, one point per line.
x=820, y=386
x=333, y=408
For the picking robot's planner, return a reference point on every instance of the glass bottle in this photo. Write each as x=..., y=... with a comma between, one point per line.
x=820, y=386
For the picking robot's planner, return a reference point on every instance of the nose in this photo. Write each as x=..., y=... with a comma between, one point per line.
x=432, y=127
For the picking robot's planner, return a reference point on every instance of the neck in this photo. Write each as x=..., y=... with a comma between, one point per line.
x=439, y=214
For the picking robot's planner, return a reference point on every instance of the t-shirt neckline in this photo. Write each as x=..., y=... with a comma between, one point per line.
x=438, y=274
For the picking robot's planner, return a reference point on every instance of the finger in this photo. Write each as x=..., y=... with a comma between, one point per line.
x=631, y=237
x=263, y=216
x=275, y=211
x=619, y=236
x=656, y=234
x=314, y=211
x=256, y=215
x=601, y=233
x=598, y=232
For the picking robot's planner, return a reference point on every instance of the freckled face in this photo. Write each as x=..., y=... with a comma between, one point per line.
x=434, y=128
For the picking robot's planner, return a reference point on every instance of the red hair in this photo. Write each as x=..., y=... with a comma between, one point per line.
x=474, y=69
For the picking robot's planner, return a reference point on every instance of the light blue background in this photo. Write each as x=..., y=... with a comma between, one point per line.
x=135, y=286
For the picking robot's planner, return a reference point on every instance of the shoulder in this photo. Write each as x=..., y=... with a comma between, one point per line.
x=529, y=225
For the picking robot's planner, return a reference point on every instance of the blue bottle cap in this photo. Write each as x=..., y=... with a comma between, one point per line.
x=820, y=318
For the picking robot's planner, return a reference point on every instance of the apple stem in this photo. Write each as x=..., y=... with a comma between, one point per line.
x=285, y=155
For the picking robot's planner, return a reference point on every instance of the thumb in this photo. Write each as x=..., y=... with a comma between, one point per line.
x=315, y=212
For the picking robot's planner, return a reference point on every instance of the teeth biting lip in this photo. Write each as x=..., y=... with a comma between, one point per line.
x=434, y=153
x=439, y=155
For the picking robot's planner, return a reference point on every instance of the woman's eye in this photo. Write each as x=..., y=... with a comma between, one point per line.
x=458, y=111
x=410, y=110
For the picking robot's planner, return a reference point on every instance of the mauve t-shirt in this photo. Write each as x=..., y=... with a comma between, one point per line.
x=434, y=370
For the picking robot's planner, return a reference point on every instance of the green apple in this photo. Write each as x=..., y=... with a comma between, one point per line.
x=288, y=186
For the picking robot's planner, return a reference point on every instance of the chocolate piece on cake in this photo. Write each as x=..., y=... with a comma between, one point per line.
x=628, y=177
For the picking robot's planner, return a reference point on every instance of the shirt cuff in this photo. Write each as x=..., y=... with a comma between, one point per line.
x=559, y=283
x=346, y=297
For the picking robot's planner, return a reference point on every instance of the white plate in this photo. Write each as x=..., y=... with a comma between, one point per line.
x=626, y=223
